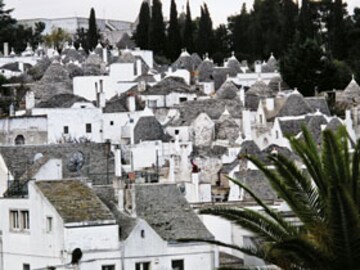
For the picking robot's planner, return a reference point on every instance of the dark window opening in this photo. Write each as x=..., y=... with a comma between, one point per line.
x=177, y=132
x=108, y=267
x=111, y=123
x=177, y=265
x=183, y=99
x=66, y=130
x=88, y=128
x=20, y=139
x=26, y=266
x=142, y=233
x=142, y=266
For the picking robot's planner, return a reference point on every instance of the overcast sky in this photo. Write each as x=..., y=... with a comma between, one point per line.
x=122, y=9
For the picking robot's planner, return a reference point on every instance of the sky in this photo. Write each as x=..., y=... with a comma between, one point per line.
x=126, y=10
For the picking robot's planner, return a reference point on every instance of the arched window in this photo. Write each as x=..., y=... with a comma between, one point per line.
x=20, y=139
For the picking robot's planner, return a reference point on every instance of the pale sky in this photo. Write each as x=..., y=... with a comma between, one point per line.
x=126, y=10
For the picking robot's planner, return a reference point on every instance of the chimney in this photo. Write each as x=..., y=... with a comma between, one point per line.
x=257, y=66
x=131, y=103
x=195, y=182
x=121, y=199
x=105, y=55
x=96, y=88
x=6, y=49
x=138, y=67
x=246, y=125
x=172, y=169
x=11, y=110
x=29, y=100
x=141, y=86
x=101, y=100
x=242, y=96
x=21, y=66
x=270, y=104
x=101, y=83
x=118, y=167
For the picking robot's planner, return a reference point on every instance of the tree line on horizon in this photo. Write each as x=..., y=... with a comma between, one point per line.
x=317, y=44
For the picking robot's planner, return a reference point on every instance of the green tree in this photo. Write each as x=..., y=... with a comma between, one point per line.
x=57, y=38
x=157, y=37
x=205, y=35
x=221, y=44
x=81, y=39
x=240, y=36
x=188, y=35
x=306, y=27
x=141, y=35
x=289, y=13
x=93, y=34
x=302, y=66
x=324, y=199
x=173, y=38
x=7, y=25
x=338, y=31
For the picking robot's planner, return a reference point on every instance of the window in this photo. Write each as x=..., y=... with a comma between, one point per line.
x=26, y=266
x=108, y=267
x=261, y=119
x=277, y=134
x=20, y=139
x=111, y=123
x=88, y=128
x=19, y=220
x=25, y=219
x=182, y=99
x=82, y=106
x=66, y=130
x=142, y=266
x=177, y=265
x=49, y=224
x=152, y=103
x=14, y=220
x=142, y=233
x=177, y=132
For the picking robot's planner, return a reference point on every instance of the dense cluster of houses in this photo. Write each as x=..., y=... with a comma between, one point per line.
x=108, y=157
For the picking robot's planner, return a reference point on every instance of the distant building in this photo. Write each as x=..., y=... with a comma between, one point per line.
x=111, y=30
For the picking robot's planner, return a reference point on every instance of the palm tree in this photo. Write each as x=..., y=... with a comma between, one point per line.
x=324, y=198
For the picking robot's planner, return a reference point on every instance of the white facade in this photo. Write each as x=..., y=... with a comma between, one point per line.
x=43, y=245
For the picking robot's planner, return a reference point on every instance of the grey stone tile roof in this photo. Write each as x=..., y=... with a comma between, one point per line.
x=74, y=70
x=18, y=158
x=334, y=124
x=295, y=105
x=145, y=78
x=72, y=55
x=234, y=65
x=170, y=85
x=216, y=151
x=205, y=70
x=185, y=61
x=292, y=127
x=165, y=209
x=56, y=80
x=277, y=81
x=74, y=201
x=93, y=59
x=314, y=124
x=227, y=91
x=257, y=182
x=281, y=151
x=125, y=222
x=353, y=89
x=260, y=89
x=318, y=103
x=120, y=103
x=149, y=129
x=214, y=108
x=61, y=101
x=227, y=129
x=196, y=59
x=220, y=75
x=126, y=42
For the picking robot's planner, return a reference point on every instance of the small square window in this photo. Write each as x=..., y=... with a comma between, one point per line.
x=66, y=130
x=26, y=266
x=111, y=123
x=142, y=266
x=177, y=132
x=88, y=128
x=182, y=99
